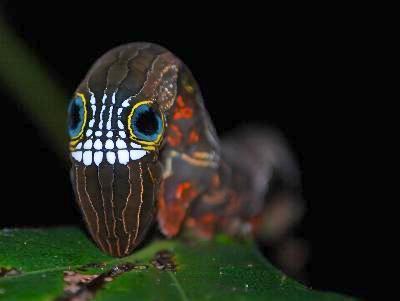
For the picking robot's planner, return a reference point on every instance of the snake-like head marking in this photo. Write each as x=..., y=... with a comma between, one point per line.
x=117, y=121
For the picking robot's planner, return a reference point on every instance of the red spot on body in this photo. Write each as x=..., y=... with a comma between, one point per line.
x=179, y=101
x=181, y=189
x=172, y=211
x=182, y=111
x=193, y=137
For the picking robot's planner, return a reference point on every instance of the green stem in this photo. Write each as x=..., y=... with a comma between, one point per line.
x=28, y=81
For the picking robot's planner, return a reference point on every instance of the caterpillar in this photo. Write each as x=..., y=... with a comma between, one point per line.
x=143, y=148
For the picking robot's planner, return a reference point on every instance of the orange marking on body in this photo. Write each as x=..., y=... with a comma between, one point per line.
x=182, y=111
x=174, y=137
x=172, y=212
x=180, y=102
x=185, y=192
x=170, y=216
x=193, y=137
x=181, y=188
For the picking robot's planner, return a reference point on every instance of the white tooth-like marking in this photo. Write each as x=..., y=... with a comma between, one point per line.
x=120, y=144
x=126, y=103
x=109, y=118
x=103, y=107
x=79, y=146
x=119, y=111
x=97, y=158
x=98, y=144
x=89, y=132
x=87, y=157
x=92, y=99
x=77, y=156
x=98, y=133
x=109, y=134
x=123, y=156
x=113, y=97
x=122, y=134
x=134, y=145
x=88, y=144
x=137, y=154
x=120, y=125
x=109, y=144
x=110, y=157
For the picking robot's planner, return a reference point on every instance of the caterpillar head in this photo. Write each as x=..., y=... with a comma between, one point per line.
x=117, y=120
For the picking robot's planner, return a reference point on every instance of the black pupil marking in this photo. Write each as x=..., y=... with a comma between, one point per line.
x=74, y=116
x=146, y=122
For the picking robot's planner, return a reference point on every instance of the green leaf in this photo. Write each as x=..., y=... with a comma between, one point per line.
x=33, y=263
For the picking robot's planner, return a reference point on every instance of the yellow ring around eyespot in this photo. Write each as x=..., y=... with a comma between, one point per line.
x=148, y=145
x=74, y=140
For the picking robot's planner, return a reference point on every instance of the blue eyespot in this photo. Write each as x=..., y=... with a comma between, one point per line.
x=76, y=116
x=146, y=123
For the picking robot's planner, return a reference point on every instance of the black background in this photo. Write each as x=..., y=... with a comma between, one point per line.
x=296, y=72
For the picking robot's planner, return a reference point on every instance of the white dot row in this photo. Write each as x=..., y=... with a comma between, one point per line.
x=88, y=157
x=109, y=144
x=109, y=134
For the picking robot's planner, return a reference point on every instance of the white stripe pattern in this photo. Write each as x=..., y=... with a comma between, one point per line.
x=114, y=148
